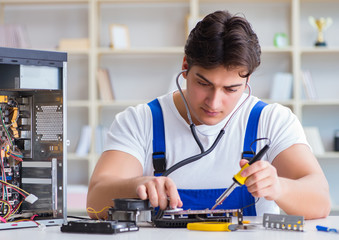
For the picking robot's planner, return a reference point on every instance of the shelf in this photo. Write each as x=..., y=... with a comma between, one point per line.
x=316, y=1
x=77, y=103
x=245, y=1
x=335, y=208
x=329, y=155
x=69, y=52
x=286, y=102
x=162, y=50
x=75, y=52
x=306, y=50
x=121, y=103
x=320, y=102
x=44, y=1
x=273, y=49
x=140, y=1
x=73, y=156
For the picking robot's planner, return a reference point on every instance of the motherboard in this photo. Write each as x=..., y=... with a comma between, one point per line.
x=13, y=115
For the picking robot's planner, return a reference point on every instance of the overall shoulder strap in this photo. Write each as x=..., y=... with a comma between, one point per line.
x=249, y=151
x=252, y=130
x=159, y=147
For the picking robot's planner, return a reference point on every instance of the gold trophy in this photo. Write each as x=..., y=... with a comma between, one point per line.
x=321, y=24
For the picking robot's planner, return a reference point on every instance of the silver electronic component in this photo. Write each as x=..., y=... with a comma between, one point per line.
x=283, y=222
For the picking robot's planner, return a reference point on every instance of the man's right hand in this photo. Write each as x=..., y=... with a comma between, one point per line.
x=120, y=175
x=160, y=191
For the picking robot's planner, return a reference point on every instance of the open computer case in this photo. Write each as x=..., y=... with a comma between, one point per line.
x=33, y=138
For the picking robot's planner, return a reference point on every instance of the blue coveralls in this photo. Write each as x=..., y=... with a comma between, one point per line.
x=198, y=199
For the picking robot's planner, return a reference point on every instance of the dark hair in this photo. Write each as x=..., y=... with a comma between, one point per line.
x=223, y=39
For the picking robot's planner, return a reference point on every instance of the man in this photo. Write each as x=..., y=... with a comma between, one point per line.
x=221, y=53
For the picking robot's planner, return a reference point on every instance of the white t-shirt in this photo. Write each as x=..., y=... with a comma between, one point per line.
x=131, y=132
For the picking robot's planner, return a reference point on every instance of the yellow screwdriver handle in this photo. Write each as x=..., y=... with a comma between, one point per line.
x=240, y=179
x=210, y=226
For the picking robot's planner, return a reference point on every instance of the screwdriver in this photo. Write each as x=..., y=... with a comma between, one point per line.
x=239, y=180
x=217, y=226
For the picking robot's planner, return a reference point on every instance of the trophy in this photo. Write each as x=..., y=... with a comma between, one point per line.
x=321, y=24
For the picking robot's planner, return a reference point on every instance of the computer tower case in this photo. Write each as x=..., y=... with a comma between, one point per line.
x=33, y=138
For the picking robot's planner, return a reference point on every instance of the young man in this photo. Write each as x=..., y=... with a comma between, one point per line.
x=221, y=53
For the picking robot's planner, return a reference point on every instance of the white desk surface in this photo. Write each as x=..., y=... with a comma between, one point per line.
x=149, y=233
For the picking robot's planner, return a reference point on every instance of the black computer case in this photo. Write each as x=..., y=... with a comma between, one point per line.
x=33, y=138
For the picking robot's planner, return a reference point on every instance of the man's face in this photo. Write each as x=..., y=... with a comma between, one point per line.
x=212, y=94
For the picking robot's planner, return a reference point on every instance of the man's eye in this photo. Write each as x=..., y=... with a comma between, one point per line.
x=231, y=89
x=202, y=83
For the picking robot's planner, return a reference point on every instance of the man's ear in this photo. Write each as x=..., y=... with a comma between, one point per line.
x=184, y=66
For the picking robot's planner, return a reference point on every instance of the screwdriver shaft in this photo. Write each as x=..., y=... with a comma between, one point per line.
x=224, y=195
x=238, y=179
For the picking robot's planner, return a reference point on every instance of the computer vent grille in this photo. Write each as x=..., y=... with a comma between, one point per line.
x=49, y=125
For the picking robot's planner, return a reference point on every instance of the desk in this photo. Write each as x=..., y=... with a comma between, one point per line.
x=149, y=233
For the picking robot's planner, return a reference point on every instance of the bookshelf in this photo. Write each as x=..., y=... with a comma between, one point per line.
x=155, y=57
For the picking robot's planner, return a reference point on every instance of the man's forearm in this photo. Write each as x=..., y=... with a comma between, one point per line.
x=102, y=193
x=307, y=196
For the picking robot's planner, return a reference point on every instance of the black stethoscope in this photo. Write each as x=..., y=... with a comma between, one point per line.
x=194, y=134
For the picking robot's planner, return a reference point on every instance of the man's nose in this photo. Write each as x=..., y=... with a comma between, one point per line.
x=214, y=99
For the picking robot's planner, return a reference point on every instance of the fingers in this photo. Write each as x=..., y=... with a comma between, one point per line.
x=243, y=162
x=262, y=180
x=173, y=194
x=141, y=192
x=256, y=168
x=160, y=191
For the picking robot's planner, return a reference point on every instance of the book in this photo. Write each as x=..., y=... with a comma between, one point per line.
x=84, y=143
x=66, y=44
x=119, y=36
x=104, y=85
x=308, y=84
x=313, y=137
x=13, y=36
x=281, y=89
